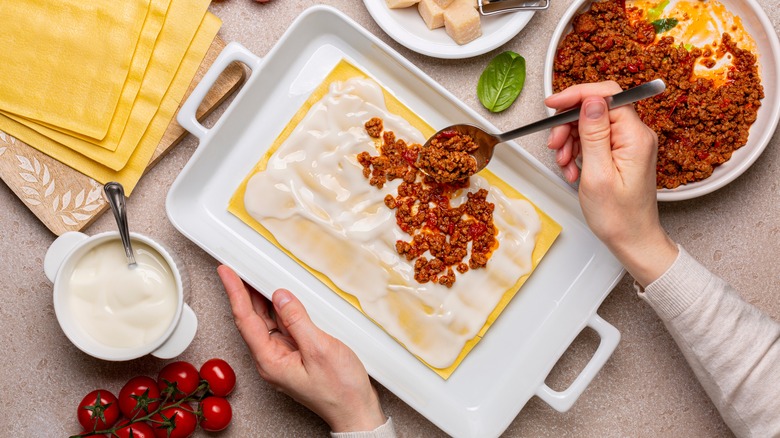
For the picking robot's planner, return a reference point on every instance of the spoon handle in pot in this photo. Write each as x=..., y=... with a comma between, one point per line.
x=648, y=89
x=116, y=199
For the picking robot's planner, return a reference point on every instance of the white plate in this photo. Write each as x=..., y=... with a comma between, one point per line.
x=408, y=28
x=759, y=26
x=510, y=364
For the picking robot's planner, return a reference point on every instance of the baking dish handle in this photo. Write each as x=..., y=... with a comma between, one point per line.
x=563, y=400
x=187, y=114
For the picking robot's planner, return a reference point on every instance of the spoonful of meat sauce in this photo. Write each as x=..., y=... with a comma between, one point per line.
x=459, y=151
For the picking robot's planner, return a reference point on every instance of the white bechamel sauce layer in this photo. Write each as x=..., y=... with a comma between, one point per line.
x=120, y=306
x=315, y=201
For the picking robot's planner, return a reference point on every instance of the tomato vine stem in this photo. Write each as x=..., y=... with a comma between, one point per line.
x=165, y=403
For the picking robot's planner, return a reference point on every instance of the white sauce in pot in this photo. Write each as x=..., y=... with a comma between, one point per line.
x=119, y=306
x=315, y=201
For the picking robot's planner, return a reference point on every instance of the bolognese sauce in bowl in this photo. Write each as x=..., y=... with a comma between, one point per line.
x=720, y=60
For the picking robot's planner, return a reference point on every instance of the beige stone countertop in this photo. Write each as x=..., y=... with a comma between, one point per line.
x=645, y=389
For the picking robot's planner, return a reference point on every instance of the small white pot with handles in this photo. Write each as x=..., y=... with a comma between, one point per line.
x=115, y=312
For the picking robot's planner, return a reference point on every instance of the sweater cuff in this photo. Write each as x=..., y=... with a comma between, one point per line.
x=678, y=287
x=384, y=431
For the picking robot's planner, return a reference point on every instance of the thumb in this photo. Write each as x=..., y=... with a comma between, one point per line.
x=291, y=313
x=594, y=130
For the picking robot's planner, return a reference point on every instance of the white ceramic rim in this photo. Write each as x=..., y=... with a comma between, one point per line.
x=761, y=131
x=401, y=26
x=74, y=332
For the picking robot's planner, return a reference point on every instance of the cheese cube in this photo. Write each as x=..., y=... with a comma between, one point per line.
x=397, y=4
x=444, y=3
x=461, y=21
x=472, y=3
x=432, y=13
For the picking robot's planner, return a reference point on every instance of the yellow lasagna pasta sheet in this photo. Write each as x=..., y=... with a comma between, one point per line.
x=141, y=55
x=46, y=73
x=131, y=173
x=403, y=304
x=151, y=81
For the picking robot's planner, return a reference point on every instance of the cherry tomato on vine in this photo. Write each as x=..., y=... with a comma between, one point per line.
x=177, y=380
x=219, y=375
x=139, y=429
x=217, y=414
x=98, y=410
x=175, y=421
x=139, y=397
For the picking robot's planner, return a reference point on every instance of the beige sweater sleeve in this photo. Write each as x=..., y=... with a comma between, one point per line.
x=732, y=347
x=384, y=431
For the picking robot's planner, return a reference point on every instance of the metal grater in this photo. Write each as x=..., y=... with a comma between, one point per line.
x=494, y=7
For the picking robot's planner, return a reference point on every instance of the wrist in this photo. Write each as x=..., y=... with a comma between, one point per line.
x=367, y=417
x=648, y=257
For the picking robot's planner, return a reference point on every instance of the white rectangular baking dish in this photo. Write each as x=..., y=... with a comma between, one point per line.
x=510, y=364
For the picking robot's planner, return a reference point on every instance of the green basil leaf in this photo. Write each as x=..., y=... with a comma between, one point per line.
x=654, y=14
x=502, y=81
x=664, y=24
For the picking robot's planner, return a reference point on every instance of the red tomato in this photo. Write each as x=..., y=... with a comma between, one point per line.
x=216, y=412
x=175, y=421
x=139, y=429
x=98, y=410
x=139, y=397
x=219, y=375
x=178, y=380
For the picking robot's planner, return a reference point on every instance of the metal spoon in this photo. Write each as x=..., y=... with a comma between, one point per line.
x=487, y=142
x=116, y=199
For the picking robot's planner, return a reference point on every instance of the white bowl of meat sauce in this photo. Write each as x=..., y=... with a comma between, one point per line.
x=720, y=60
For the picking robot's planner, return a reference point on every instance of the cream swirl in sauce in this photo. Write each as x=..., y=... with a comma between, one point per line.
x=313, y=198
x=702, y=24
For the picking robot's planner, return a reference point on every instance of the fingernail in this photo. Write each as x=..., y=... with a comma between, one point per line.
x=570, y=175
x=281, y=298
x=550, y=138
x=595, y=109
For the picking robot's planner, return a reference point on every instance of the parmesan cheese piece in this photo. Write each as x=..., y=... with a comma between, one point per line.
x=461, y=21
x=398, y=4
x=432, y=12
x=473, y=3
